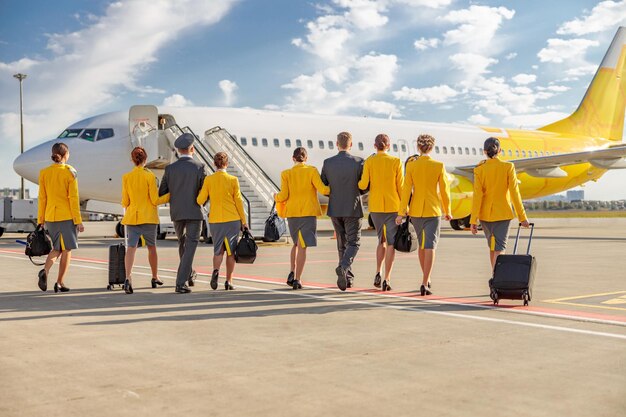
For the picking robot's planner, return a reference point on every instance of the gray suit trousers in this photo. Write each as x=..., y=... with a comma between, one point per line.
x=348, y=239
x=188, y=234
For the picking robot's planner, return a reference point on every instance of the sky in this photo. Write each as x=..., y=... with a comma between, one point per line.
x=498, y=63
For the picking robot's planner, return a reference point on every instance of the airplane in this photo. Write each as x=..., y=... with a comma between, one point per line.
x=554, y=158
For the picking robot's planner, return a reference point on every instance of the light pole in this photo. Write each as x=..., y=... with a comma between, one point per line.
x=21, y=77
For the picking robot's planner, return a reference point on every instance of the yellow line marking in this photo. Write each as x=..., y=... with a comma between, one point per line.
x=586, y=305
x=578, y=297
x=567, y=301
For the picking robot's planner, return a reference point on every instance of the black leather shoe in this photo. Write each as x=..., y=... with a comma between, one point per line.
x=192, y=279
x=290, y=279
x=183, y=289
x=60, y=287
x=43, y=280
x=128, y=287
x=386, y=286
x=296, y=284
x=228, y=286
x=350, y=282
x=377, y=280
x=425, y=290
x=155, y=281
x=342, y=280
x=214, y=277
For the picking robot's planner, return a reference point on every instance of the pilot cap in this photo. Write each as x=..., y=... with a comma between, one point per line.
x=184, y=141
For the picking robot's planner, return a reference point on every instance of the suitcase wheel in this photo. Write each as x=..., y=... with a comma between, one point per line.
x=109, y=287
x=494, y=296
x=526, y=298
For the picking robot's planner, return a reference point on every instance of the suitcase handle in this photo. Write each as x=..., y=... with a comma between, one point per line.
x=530, y=238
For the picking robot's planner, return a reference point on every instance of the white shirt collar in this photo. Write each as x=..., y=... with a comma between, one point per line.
x=222, y=170
x=185, y=156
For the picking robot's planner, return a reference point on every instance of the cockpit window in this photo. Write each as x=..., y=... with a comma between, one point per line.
x=89, y=134
x=70, y=133
x=105, y=134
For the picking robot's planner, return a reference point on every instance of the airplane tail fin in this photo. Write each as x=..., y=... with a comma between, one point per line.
x=601, y=112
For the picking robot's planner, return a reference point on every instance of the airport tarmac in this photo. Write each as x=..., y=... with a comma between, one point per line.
x=265, y=349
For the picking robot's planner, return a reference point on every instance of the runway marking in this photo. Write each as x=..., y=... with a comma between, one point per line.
x=609, y=304
x=343, y=299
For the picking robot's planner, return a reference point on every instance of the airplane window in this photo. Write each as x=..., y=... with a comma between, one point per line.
x=466, y=151
x=105, y=134
x=445, y=150
x=276, y=143
x=360, y=146
x=480, y=151
x=541, y=153
x=321, y=143
x=460, y=150
x=395, y=147
x=89, y=134
x=70, y=133
x=517, y=153
x=523, y=154
x=288, y=143
x=510, y=153
x=536, y=154
x=452, y=150
x=298, y=143
x=331, y=145
x=255, y=142
x=403, y=146
x=244, y=141
x=436, y=149
x=309, y=144
x=473, y=151
x=264, y=142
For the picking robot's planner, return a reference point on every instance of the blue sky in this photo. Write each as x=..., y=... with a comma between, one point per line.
x=501, y=63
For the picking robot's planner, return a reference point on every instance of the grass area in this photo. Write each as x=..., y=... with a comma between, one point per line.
x=567, y=214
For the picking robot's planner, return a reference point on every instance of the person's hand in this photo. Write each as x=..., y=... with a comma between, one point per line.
x=399, y=219
x=80, y=228
x=275, y=194
x=447, y=217
x=244, y=227
x=525, y=223
x=474, y=228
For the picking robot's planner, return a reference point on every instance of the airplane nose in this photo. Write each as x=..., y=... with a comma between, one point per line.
x=29, y=163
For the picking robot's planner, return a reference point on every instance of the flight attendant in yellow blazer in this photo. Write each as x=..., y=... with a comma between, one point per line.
x=382, y=173
x=59, y=210
x=426, y=185
x=298, y=190
x=226, y=217
x=495, y=185
x=140, y=198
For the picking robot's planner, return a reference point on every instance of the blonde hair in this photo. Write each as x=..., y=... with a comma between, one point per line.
x=425, y=143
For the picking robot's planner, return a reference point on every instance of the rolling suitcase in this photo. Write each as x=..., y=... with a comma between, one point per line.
x=514, y=275
x=117, y=268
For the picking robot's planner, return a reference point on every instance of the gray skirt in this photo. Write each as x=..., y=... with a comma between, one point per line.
x=427, y=229
x=386, y=227
x=146, y=232
x=303, y=230
x=225, y=236
x=496, y=234
x=63, y=234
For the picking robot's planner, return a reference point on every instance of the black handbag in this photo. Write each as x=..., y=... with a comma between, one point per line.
x=406, y=237
x=245, y=252
x=275, y=227
x=38, y=243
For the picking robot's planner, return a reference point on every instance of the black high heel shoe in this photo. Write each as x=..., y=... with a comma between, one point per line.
x=290, y=279
x=128, y=287
x=60, y=287
x=214, y=277
x=155, y=282
x=425, y=290
x=43, y=280
x=228, y=286
x=296, y=284
x=377, y=280
x=386, y=286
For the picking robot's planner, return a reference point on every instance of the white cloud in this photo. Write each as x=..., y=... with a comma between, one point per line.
x=477, y=26
x=438, y=94
x=581, y=70
x=565, y=50
x=478, y=119
x=228, y=89
x=422, y=43
x=364, y=14
x=524, y=79
x=533, y=121
x=510, y=56
x=473, y=65
x=176, y=100
x=434, y=4
x=605, y=15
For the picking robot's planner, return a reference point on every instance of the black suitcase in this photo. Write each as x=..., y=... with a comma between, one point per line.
x=117, y=269
x=514, y=275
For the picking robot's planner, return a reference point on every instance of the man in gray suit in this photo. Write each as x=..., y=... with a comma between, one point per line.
x=342, y=173
x=183, y=180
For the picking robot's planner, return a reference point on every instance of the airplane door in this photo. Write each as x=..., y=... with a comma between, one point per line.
x=403, y=150
x=143, y=128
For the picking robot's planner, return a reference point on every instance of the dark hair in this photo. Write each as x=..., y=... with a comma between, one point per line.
x=381, y=142
x=299, y=154
x=59, y=150
x=220, y=160
x=492, y=147
x=425, y=143
x=344, y=139
x=138, y=155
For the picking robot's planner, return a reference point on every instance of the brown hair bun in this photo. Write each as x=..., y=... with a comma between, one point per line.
x=59, y=150
x=382, y=142
x=300, y=154
x=425, y=143
x=492, y=147
x=220, y=160
x=138, y=155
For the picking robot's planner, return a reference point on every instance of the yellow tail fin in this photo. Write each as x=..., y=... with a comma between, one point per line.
x=601, y=112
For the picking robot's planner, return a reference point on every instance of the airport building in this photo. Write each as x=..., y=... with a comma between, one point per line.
x=14, y=193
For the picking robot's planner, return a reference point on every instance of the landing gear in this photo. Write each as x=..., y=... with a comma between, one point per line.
x=160, y=236
x=119, y=229
x=1, y=231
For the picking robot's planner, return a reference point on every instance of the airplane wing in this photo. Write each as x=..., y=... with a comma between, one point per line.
x=613, y=157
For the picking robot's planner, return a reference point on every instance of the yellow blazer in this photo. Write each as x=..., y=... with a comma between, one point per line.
x=423, y=177
x=495, y=185
x=140, y=197
x=222, y=189
x=58, y=195
x=383, y=174
x=298, y=189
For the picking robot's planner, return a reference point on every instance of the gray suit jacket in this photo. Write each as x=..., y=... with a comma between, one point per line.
x=183, y=180
x=342, y=173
